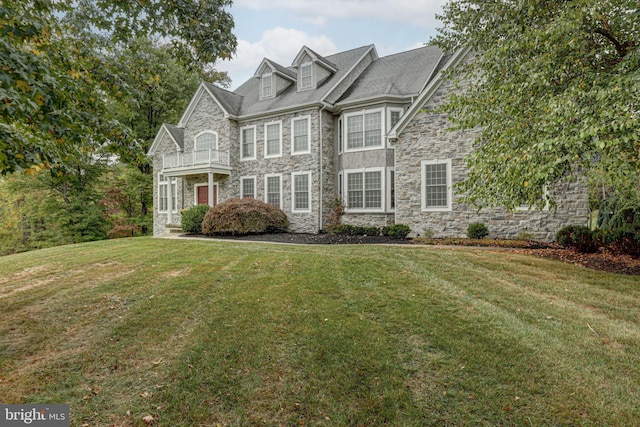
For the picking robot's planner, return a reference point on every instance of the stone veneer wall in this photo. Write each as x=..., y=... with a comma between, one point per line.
x=285, y=165
x=426, y=138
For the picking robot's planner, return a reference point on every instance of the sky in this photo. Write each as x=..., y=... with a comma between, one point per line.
x=277, y=29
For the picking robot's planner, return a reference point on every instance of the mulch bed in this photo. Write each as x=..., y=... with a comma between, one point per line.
x=602, y=261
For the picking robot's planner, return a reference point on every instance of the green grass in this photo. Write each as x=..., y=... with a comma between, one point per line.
x=201, y=333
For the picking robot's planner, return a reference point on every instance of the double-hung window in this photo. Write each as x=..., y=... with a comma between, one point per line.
x=273, y=190
x=248, y=143
x=163, y=193
x=306, y=76
x=436, y=185
x=273, y=139
x=364, y=130
x=364, y=190
x=267, y=85
x=301, y=192
x=301, y=130
x=248, y=186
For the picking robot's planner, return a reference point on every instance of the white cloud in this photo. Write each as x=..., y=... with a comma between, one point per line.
x=416, y=12
x=278, y=44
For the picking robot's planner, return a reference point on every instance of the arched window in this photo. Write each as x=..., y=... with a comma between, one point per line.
x=206, y=140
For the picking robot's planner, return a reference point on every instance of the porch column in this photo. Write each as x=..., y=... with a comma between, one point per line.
x=169, y=200
x=210, y=189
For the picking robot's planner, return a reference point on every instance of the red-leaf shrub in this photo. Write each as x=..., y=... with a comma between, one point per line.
x=244, y=216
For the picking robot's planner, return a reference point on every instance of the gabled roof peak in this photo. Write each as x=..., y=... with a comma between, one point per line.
x=268, y=65
x=315, y=57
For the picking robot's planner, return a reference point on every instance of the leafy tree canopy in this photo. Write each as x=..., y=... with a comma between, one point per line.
x=54, y=58
x=555, y=90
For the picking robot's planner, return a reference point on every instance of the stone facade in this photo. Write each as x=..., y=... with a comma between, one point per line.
x=364, y=85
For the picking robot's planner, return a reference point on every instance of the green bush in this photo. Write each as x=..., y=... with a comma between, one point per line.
x=477, y=230
x=621, y=240
x=356, y=230
x=577, y=237
x=192, y=218
x=397, y=231
x=244, y=216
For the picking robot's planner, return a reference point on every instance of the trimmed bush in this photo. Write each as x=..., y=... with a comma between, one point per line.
x=477, y=230
x=356, y=230
x=397, y=231
x=577, y=237
x=621, y=240
x=239, y=217
x=192, y=218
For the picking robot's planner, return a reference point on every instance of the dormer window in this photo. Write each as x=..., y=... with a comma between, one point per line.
x=306, y=75
x=267, y=85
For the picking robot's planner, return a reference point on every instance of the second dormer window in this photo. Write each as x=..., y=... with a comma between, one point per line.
x=267, y=85
x=306, y=75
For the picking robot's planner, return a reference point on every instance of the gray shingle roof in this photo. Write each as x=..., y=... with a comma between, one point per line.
x=176, y=133
x=290, y=97
x=403, y=74
x=232, y=102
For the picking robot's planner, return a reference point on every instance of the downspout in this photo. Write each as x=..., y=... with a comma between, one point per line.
x=320, y=222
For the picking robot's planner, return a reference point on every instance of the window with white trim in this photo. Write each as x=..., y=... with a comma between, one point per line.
x=248, y=186
x=301, y=131
x=248, y=143
x=273, y=139
x=394, y=116
x=545, y=197
x=163, y=190
x=266, y=82
x=364, y=130
x=273, y=190
x=436, y=185
x=301, y=192
x=364, y=189
x=206, y=140
x=306, y=75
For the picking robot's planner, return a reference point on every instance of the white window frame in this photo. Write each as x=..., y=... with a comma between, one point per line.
x=242, y=129
x=391, y=173
x=279, y=154
x=526, y=208
x=293, y=135
x=266, y=187
x=423, y=199
x=363, y=113
x=195, y=140
x=293, y=191
x=383, y=186
x=393, y=110
x=302, y=78
x=174, y=187
x=255, y=188
x=204, y=184
x=271, y=87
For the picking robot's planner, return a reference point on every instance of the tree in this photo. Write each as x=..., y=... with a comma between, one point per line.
x=53, y=55
x=555, y=90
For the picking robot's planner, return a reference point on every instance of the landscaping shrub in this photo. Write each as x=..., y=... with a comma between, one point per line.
x=621, y=240
x=577, y=237
x=192, y=218
x=356, y=230
x=244, y=216
x=477, y=230
x=397, y=231
x=524, y=235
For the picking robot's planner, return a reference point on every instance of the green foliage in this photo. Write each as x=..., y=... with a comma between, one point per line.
x=477, y=230
x=192, y=218
x=524, y=235
x=356, y=230
x=397, y=231
x=620, y=240
x=244, y=216
x=554, y=94
x=577, y=237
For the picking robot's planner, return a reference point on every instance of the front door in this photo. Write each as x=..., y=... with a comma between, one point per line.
x=202, y=194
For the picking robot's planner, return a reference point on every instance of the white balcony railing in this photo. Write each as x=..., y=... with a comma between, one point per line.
x=195, y=159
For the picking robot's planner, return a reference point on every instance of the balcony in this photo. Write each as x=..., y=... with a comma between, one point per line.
x=195, y=162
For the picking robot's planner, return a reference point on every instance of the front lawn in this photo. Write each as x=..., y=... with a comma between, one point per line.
x=199, y=333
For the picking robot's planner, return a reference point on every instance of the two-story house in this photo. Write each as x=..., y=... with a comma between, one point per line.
x=351, y=126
